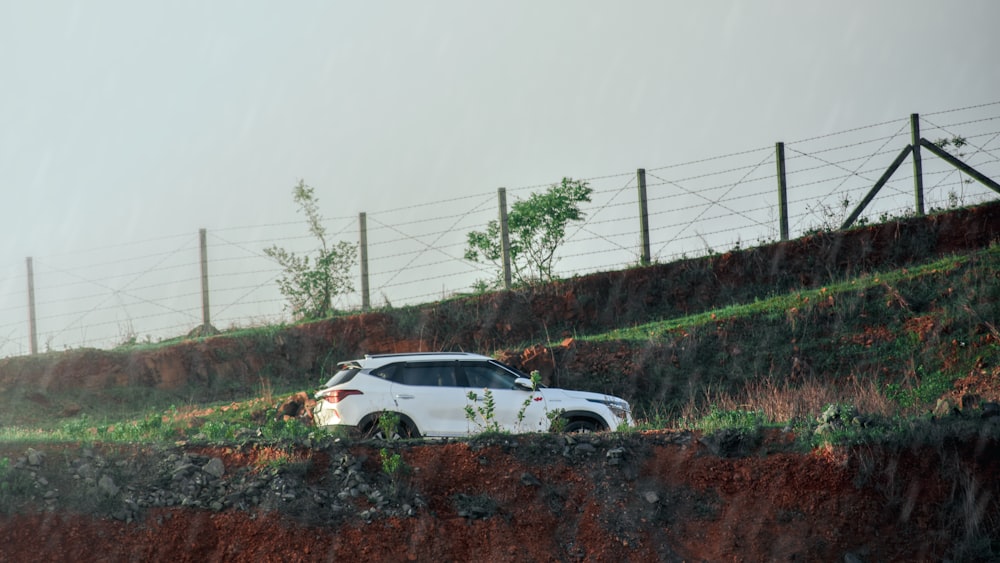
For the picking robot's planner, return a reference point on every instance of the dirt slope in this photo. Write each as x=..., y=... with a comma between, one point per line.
x=653, y=497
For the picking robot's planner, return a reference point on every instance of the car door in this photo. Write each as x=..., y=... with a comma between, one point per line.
x=429, y=394
x=515, y=409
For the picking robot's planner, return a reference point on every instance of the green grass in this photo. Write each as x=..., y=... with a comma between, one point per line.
x=718, y=419
x=214, y=422
x=777, y=307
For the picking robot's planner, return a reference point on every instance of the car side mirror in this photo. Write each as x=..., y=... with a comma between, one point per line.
x=524, y=383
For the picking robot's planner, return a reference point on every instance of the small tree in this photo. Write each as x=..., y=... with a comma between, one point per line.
x=537, y=228
x=311, y=285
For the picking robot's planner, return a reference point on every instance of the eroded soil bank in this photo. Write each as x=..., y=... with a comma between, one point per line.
x=659, y=496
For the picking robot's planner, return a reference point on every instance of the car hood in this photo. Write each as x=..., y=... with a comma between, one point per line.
x=556, y=394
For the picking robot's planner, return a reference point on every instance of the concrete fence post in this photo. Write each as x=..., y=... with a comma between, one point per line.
x=504, y=236
x=779, y=150
x=918, y=167
x=32, y=327
x=363, y=244
x=645, y=257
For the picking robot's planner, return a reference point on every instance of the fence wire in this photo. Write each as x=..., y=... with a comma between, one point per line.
x=150, y=290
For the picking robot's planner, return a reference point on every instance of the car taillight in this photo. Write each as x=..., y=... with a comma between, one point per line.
x=337, y=395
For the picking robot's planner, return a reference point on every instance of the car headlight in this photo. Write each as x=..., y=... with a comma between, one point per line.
x=618, y=407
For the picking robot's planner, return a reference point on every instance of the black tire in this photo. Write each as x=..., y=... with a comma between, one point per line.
x=373, y=431
x=581, y=427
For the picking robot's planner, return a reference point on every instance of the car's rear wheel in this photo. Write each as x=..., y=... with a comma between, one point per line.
x=392, y=428
x=580, y=426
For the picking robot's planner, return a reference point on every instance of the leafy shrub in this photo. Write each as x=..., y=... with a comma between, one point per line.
x=931, y=387
x=482, y=413
x=537, y=228
x=311, y=283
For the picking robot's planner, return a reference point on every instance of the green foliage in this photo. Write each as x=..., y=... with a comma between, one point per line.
x=218, y=430
x=557, y=422
x=151, y=428
x=536, y=380
x=311, y=283
x=392, y=464
x=388, y=424
x=280, y=429
x=483, y=412
x=537, y=228
x=718, y=419
x=929, y=389
x=653, y=417
x=481, y=409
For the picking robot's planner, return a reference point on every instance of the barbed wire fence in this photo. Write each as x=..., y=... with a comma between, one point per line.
x=150, y=290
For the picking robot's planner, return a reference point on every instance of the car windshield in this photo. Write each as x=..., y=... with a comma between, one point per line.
x=514, y=370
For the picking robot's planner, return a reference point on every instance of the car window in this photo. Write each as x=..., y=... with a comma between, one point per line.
x=427, y=374
x=385, y=372
x=487, y=376
x=346, y=374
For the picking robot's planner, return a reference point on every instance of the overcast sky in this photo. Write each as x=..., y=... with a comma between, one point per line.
x=125, y=120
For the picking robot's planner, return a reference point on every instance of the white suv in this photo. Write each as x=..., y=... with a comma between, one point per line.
x=447, y=394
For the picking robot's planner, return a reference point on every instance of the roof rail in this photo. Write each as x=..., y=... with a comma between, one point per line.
x=398, y=354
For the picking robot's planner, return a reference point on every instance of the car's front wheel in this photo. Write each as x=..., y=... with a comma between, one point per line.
x=581, y=427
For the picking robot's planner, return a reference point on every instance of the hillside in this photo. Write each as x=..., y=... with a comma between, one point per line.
x=888, y=318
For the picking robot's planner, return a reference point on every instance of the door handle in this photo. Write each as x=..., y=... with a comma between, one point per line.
x=403, y=396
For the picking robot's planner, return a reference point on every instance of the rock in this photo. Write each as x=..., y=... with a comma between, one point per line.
x=35, y=458
x=651, y=497
x=529, y=480
x=615, y=453
x=215, y=468
x=732, y=442
x=107, y=486
x=86, y=471
x=182, y=468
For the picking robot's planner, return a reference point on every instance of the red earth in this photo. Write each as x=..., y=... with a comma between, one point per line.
x=670, y=499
